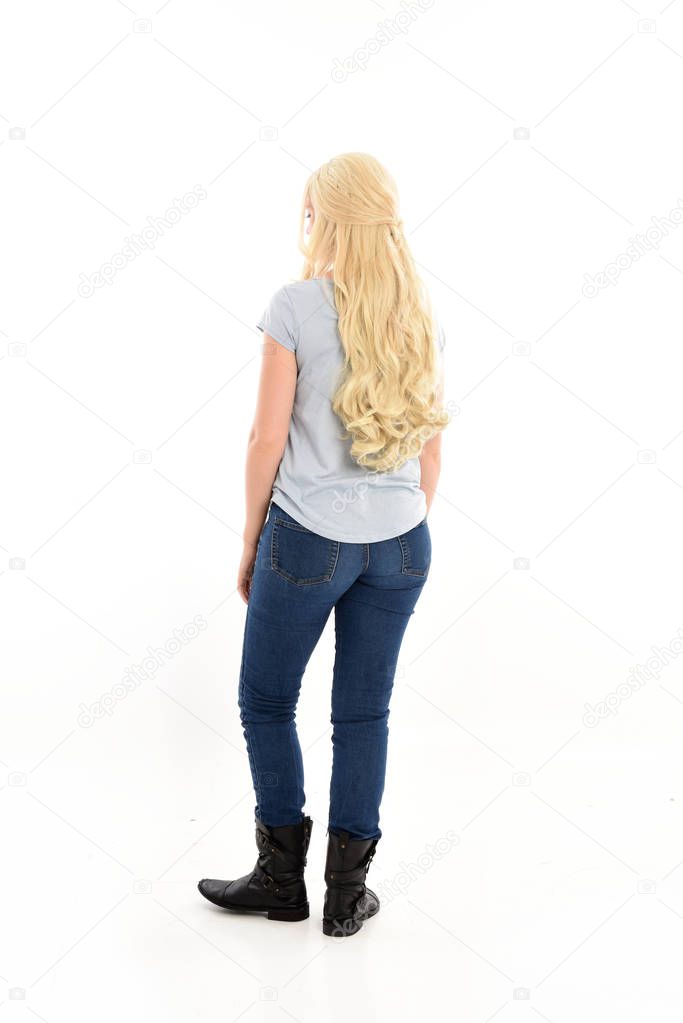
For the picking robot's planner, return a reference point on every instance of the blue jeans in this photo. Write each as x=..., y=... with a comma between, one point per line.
x=299, y=577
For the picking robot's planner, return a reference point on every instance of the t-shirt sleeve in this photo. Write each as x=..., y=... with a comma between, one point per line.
x=440, y=337
x=279, y=321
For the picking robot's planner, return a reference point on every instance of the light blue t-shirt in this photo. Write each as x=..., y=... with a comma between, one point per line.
x=318, y=483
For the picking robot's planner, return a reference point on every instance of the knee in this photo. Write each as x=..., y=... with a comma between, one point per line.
x=257, y=706
x=360, y=717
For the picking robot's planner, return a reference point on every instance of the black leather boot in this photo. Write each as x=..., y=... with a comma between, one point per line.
x=276, y=885
x=348, y=903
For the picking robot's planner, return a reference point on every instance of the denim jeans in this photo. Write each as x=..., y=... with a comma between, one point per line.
x=299, y=577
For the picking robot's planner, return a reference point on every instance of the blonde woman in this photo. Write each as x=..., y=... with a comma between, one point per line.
x=342, y=465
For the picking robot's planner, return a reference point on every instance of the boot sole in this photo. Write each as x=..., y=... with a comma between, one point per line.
x=292, y=913
x=345, y=928
x=298, y=913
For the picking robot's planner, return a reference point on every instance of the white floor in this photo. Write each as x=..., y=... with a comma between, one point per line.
x=530, y=865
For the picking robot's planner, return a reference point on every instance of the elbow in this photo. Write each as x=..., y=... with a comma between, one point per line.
x=266, y=445
x=431, y=458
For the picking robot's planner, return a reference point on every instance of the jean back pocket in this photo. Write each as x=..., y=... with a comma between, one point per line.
x=300, y=555
x=416, y=550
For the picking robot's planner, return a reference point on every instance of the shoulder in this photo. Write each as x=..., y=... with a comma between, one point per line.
x=310, y=301
x=296, y=295
x=302, y=293
x=279, y=318
x=281, y=297
x=294, y=306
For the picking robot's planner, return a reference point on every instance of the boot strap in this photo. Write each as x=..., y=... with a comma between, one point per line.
x=273, y=884
x=268, y=844
x=354, y=876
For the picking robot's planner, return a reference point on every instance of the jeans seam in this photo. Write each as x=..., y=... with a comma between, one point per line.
x=389, y=610
x=247, y=731
x=292, y=525
x=335, y=679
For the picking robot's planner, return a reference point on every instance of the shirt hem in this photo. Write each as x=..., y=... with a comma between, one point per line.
x=289, y=506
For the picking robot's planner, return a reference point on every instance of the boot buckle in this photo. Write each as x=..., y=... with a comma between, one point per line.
x=268, y=882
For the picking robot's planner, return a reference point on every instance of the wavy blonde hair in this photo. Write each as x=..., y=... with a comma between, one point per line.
x=387, y=397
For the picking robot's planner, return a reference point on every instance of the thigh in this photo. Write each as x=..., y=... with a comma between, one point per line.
x=372, y=616
x=296, y=582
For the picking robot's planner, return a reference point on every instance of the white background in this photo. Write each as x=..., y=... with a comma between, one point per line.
x=560, y=892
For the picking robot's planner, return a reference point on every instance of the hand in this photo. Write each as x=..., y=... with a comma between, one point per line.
x=246, y=571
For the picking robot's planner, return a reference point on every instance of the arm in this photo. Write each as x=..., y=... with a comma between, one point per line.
x=430, y=458
x=267, y=440
x=430, y=467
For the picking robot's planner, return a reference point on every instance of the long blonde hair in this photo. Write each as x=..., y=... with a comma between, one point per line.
x=387, y=396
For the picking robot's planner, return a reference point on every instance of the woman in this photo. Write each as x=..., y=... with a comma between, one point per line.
x=342, y=464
